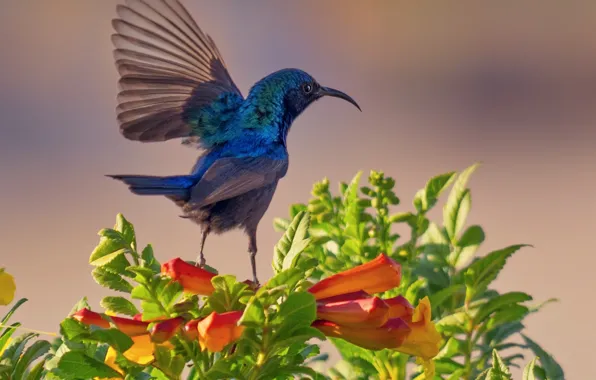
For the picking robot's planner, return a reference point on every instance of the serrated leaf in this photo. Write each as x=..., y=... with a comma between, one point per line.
x=82, y=366
x=111, y=280
x=293, y=239
x=140, y=292
x=552, y=369
x=15, y=348
x=36, y=350
x=149, y=260
x=281, y=224
x=434, y=187
x=529, y=370
x=82, y=304
x=502, y=301
x=119, y=305
x=107, y=246
x=457, y=206
x=127, y=230
x=499, y=366
x=512, y=313
x=482, y=272
x=467, y=246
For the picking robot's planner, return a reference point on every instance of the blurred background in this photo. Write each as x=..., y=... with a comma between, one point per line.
x=441, y=85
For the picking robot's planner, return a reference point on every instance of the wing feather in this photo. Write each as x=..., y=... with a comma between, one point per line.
x=230, y=177
x=167, y=65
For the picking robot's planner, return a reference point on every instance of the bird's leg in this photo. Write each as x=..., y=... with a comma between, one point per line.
x=200, y=262
x=252, y=250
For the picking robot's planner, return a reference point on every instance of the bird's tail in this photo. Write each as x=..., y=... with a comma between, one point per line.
x=173, y=186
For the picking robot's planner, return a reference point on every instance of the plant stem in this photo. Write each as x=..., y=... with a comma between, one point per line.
x=192, y=357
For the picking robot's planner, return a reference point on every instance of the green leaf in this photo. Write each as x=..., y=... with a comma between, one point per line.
x=119, y=305
x=169, y=362
x=82, y=366
x=36, y=350
x=111, y=280
x=36, y=372
x=298, y=310
x=499, y=366
x=149, y=260
x=82, y=304
x=457, y=206
x=127, y=230
x=434, y=188
x=502, y=301
x=529, y=370
x=114, y=337
x=12, y=310
x=281, y=224
x=473, y=236
x=552, y=369
x=292, y=243
x=512, y=313
x=107, y=246
x=16, y=347
x=452, y=348
x=140, y=292
x=402, y=217
x=254, y=314
x=482, y=272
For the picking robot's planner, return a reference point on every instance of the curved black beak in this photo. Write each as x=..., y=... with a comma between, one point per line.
x=327, y=91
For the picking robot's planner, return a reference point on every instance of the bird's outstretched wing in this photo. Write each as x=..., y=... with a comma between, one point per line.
x=230, y=177
x=167, y=67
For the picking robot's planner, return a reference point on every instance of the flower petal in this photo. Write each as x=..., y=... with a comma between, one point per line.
x=391, y=335
x=218, y=330
x=164, y=330
x=424, y=339
x=376, y=276
x=399, y=307
x=193, y=279
x=364, y=312
x=129, y=326
x=89, y=317
x=190, y=329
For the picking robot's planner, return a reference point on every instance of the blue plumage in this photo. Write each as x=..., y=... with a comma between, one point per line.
x=175, y=84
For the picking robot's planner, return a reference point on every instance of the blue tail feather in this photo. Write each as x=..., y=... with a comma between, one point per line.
x=173, y=186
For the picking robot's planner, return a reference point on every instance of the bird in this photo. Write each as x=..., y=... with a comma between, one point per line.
x=174, y=84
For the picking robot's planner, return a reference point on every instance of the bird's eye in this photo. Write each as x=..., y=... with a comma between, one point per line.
x=307, y=88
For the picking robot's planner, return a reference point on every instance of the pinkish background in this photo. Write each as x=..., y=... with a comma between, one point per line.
x=441, y=85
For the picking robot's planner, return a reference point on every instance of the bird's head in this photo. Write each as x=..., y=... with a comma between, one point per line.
x=291, y=91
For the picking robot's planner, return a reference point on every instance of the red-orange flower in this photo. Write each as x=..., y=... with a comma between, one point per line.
x=363, y=312
x=399, y=307
x=164, y=330
x=391, y=335
x=376, y=276
x=130, y=327
x=190, y=329
x=218, y=330
x=424, y=339
x=193, y=279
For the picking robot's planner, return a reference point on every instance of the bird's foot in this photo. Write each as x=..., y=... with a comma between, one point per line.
x=200, y=261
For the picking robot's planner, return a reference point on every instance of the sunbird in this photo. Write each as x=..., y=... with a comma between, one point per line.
x=173, y=84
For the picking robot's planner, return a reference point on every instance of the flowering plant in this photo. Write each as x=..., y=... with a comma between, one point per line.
x=339, y=275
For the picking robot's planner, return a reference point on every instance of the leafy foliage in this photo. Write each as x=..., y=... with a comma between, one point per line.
x=438, y=260
x=481, y=328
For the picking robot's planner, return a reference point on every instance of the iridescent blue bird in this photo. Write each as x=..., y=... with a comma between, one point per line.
x=174, y=84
